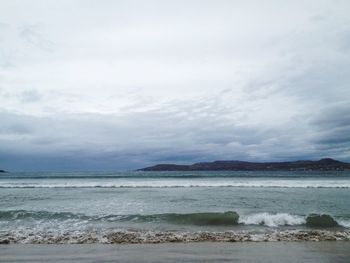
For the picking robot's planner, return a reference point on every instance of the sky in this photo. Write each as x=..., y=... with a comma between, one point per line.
x=119, y=85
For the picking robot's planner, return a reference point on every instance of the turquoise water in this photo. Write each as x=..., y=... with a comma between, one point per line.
x=33, y=203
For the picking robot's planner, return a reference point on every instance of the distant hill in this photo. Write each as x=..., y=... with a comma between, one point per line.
x=2, y=171
x=326, y=164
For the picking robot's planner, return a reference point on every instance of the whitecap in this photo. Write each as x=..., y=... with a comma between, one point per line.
x=272, y=220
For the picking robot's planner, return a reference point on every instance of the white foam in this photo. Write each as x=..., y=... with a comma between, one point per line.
x=177, y=182
x=272, y=220
x=120, y=236
x=344, y=223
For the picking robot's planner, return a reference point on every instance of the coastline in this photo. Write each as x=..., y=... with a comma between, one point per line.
x=157, y=237
x=287, y=252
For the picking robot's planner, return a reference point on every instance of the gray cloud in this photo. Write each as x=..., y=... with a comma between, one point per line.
x=30, y=96
x=124, y=84
x=333, y=130
x=137, y=139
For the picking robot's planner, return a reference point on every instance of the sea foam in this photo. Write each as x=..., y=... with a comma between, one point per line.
x=144, y=237
x=177, y=183
x=272, y=220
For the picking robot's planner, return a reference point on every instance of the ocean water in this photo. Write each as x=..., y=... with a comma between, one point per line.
x=137, y=207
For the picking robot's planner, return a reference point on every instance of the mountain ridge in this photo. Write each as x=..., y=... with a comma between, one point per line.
x=236, y=165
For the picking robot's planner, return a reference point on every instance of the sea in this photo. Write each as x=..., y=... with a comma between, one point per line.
x=157, y=207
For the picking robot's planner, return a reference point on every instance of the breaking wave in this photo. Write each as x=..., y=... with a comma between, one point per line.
x=177, y=183
x=272, y=220
x=229, y=218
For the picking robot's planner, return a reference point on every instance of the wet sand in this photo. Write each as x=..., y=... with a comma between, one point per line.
x=286, y=252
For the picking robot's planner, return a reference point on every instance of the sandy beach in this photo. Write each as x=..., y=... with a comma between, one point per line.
x=320, y=252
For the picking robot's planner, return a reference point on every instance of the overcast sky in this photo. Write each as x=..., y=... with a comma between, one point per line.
x=110, y=85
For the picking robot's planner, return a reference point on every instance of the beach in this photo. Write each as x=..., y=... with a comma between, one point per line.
x=318, y=252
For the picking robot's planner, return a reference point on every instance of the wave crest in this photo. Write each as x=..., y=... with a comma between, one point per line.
x=272, y=220
x=178, y=183
x=315, y=220
x=229, y=218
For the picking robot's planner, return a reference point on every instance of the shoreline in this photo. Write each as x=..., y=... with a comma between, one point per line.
x=154, y=237
x=287, y=252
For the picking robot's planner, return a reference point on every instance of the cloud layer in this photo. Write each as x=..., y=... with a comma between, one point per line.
x=91, y=85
